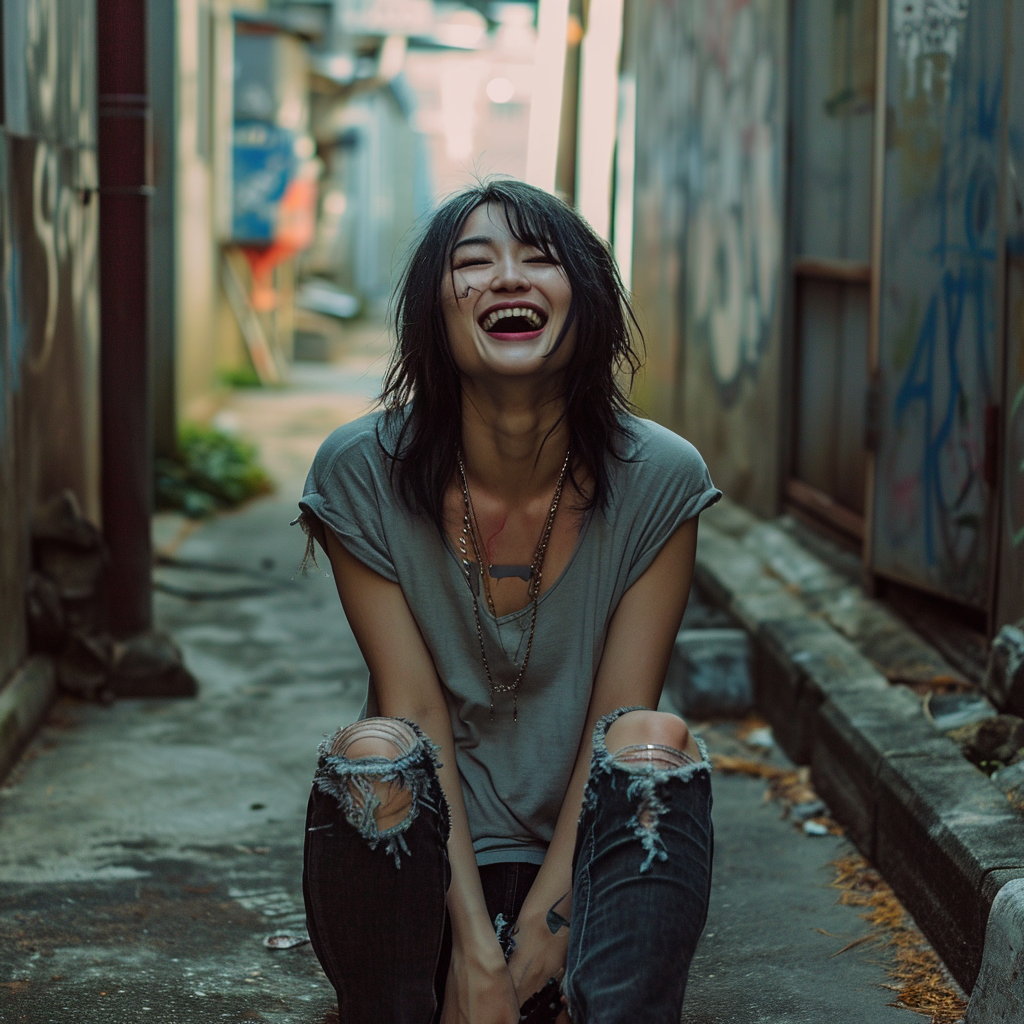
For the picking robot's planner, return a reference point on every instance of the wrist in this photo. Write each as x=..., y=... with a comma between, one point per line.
x=475, y=942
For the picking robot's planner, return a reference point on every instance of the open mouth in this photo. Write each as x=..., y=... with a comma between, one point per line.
x=514, y=322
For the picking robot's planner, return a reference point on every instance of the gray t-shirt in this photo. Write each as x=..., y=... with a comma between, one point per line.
x=514, y=774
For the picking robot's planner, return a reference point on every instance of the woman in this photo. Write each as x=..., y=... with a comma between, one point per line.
x=513, y=550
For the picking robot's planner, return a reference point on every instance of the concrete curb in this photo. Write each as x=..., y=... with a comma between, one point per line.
x=999, y=993
x=942, y=834
x=24, y=701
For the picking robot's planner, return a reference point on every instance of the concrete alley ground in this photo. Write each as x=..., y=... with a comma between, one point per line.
x=148, y=848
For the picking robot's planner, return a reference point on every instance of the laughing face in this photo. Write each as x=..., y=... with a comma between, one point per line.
x=505, y=302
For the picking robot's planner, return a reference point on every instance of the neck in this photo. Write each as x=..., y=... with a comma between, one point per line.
x=505, y=442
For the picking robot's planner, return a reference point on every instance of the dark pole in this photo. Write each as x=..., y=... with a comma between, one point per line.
x=125, y=389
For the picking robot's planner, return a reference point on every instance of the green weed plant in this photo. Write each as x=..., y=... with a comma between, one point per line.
x=213, y=470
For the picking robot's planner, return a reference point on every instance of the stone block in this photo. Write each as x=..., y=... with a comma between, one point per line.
x=753, y=608
x=777, y=688
x=725, y=568
x=801, y=662
x=864, y=719
x=998, y=996
x=729, y=518
x=1004, y=677
x=24, y=701
x=843, y=770
x=901, y=655
x=942, y=827
x=792, y=563
x=703, y=613
x=709, y=674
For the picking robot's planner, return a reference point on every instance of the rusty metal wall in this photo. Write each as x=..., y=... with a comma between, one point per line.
x=49, y=437
x=938, y=327
x=708, y=230
x=1010, y=595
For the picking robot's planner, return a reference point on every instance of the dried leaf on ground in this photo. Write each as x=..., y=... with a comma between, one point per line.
x=750, y=724
x=748, y=766
x=920, y=980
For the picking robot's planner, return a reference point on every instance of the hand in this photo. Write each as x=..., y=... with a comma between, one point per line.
x=538, y=956
x=479, y=988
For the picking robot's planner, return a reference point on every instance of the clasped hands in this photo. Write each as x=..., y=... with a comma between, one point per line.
x=483, y=989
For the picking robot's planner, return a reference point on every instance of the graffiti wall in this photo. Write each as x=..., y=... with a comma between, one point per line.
x=49, y=424
x=938, y=330
x=1010, y=594
x=708, y=243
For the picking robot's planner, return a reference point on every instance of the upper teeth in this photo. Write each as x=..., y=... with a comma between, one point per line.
x=501, y=314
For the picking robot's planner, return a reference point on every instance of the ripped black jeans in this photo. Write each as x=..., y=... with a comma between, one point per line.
x=375, y=901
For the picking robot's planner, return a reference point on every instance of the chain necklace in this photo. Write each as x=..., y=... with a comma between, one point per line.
x=532, y=590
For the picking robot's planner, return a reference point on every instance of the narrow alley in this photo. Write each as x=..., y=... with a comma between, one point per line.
x=800, y=222
x=150, y=848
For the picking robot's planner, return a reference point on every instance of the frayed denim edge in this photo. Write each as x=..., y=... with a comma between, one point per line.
x=643, y=786
x=416, y=771
x=302, y=520
x=506, y=933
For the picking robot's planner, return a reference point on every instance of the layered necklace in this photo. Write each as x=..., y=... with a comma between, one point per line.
x=472, y=538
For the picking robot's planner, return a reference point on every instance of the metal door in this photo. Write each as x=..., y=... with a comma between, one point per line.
x=938, y=322
x=1010, y=564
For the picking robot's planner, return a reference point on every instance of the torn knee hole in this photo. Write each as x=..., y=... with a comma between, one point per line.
x=654, y=756
x=374, y=737
x=646, y=817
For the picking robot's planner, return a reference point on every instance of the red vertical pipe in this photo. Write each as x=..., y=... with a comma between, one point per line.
x=125, y=388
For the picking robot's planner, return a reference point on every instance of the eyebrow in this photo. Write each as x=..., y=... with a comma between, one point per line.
x=475, y=240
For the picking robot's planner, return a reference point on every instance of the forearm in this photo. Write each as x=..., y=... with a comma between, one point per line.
x=471, y=924
x=553, y=884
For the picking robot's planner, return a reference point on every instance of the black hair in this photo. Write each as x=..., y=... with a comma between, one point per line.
x=598, y=377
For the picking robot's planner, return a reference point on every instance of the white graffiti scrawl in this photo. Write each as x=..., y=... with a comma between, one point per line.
x=927, y=28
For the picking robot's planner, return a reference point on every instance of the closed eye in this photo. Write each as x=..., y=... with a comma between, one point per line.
x=543, y=259
x=470, y=263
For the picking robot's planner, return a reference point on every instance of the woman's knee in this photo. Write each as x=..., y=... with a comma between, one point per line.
x=388, y=797
x=651, y=736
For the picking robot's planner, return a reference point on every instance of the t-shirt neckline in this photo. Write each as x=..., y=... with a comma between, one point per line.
x=500, y=620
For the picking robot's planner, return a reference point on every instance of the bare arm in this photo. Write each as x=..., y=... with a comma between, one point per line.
x=407, y=686
x=632, y=671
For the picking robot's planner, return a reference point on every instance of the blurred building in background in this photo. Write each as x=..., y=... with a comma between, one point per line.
x=301, y=141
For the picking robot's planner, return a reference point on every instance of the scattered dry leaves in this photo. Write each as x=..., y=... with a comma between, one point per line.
x=790, y=786
x=920, y=981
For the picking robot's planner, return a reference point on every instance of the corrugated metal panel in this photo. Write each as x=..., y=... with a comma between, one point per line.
x=833, y=104
x=707, y=264
x=833, y=54
x=1010, y=597
x=945, y=81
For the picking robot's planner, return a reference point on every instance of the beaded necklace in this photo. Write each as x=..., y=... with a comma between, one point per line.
x=470, y=534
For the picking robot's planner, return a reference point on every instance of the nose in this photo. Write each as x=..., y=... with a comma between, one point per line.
x=509, y=275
